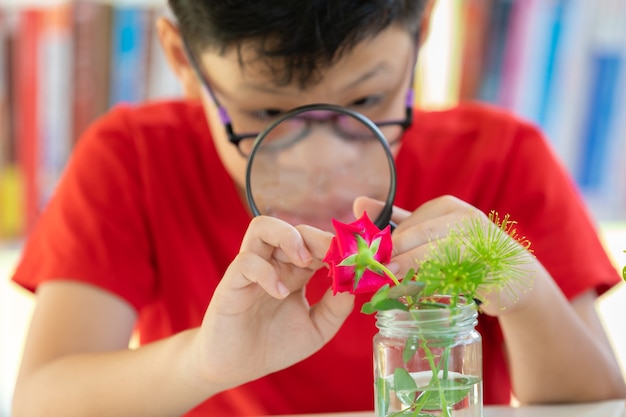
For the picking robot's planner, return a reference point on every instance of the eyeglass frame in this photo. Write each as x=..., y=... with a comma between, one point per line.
x=236, y=138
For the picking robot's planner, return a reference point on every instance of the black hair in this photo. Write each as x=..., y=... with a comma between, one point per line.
x=305, y=35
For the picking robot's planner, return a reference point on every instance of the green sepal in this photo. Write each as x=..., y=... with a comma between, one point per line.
x=349, y=261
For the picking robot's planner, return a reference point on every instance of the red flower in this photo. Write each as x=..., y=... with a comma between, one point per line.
x=357, y=255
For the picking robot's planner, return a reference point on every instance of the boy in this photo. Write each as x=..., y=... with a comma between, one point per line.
x=149, y=230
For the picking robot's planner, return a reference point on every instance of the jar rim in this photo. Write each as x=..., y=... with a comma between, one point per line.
x=434, y=314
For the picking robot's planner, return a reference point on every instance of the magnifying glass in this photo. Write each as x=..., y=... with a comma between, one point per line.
x=309, y=165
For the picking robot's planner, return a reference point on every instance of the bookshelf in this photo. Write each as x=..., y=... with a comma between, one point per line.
x=63, y=64
x=557, y=63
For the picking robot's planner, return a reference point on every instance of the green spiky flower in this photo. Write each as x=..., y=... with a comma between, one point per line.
x=477, y=258
x=473, y=260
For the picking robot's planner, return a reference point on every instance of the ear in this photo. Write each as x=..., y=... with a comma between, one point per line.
x=172, y=45
x=426, y=18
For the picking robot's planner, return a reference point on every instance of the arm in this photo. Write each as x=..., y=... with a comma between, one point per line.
x=558, y=352
x=76, y=360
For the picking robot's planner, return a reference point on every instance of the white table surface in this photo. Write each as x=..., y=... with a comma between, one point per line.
x=601, y=409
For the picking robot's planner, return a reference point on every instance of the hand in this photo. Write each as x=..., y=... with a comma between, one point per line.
x=259, y=320
x=416, y=232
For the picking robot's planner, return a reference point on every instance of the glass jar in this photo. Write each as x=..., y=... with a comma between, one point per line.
x=428, y=362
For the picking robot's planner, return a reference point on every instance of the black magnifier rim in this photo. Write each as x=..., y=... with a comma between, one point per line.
x=383, y=219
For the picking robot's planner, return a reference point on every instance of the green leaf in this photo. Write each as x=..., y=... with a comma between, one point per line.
x=368, y=308
x=406, y=288
x=408, y=277
x=453, y=390
x=410, y=413
x=410, y=348
x=429, y=400
x=381, y=294
x=404, y=385
x=383, y=305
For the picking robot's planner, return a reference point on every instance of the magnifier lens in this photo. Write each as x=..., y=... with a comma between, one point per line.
x=309, y=166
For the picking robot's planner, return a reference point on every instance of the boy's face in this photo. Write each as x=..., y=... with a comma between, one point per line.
x=373, y=79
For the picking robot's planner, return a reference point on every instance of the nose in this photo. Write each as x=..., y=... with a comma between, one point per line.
x=322, y=150
x=320, y=115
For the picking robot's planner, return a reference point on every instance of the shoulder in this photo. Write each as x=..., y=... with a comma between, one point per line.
x=471, y=120
x=473, y=131
x=141, y=132
x=182, y=116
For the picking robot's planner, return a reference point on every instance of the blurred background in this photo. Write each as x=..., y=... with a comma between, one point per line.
x=559, y=63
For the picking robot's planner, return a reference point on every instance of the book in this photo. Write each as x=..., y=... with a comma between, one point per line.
x=11, y=209
x=497, y=30
x=26, y=61
x=606, y=70
x=601, y=135
x=55, y=86
x=475, y=18
x=129, y=54
x=526, y=47
x=565, y=113
x=92, y=38
x=4, y=93
x=161, y=81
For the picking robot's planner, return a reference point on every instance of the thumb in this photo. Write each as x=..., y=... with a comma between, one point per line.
x=366, y=204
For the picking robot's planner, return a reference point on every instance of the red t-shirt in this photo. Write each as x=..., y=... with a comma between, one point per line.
x=147, y=211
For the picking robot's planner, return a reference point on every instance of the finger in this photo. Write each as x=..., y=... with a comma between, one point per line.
x=412, y=243
x=437, y=207
x=249, y=272
x=315, y=240
x=330, y=313
x=265, y=234
x=373, y=208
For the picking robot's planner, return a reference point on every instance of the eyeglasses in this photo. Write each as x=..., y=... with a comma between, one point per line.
x=300, y=127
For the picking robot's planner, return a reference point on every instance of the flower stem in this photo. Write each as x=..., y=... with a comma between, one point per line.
x=387, y=272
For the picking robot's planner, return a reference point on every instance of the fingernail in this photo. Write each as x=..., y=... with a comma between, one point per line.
x=282, y=289
x=304, y=254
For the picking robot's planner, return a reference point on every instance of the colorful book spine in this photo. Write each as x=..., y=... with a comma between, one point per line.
x=55, y=86
x=161, y=82
x=605, y=77
x=564, y=115
x=496, y=42
x=475, y=18
x=129, y=54
x=91, y=64
x=11, y=209
x=27, y=101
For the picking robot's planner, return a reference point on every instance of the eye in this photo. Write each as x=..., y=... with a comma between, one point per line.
x=366, y=101
x=267, y=114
